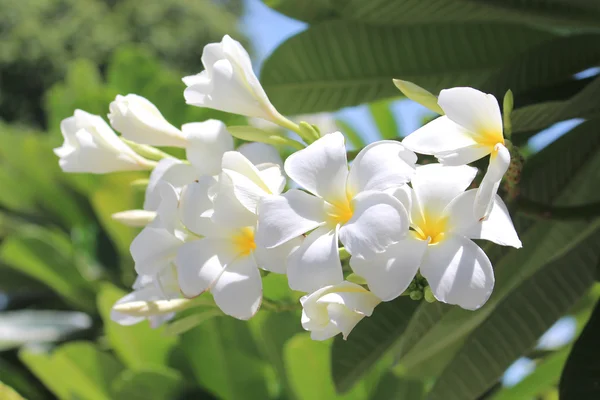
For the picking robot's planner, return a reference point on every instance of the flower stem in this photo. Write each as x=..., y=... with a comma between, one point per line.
x=149, y=152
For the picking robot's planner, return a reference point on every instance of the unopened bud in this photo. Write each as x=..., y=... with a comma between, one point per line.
x=418, y=94
x=428, y=294
x=150, y=308
x=134, y=218
x=416, y=295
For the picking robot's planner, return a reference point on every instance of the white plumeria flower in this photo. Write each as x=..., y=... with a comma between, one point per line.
x=92, y=146
x=226, y=260
x=352, y=203
x=336, y=309
x=228, y=83
x=439, y=244
x=471, y=129
x=149, y=288
x=140, y=121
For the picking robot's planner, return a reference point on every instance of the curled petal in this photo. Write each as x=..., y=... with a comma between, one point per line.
x=282, y=218
x=321, y=168
x=458, y=272
x=439, y=136
x=389, y=273
x=380, y=166
x=316, y=263
x=484, y=200
x=464, y=155
x=238, y=291
x=168, y=170
x=378, y=220
x=153, y=249
x=497, y=228
x=207, y=142
x=228, y=210
x=196, y=207
x=275, y=259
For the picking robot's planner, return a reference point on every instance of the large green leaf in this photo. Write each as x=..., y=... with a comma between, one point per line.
x=370, y=340
x=585, y=104
x=47, y=256
x=224, y=359
x=579, y=379
x=8, y=393
x=384, y=119
x=340, y=63
x=138, y=346
x=155, y=384
x=75, y=370
x=306, y=10
x=519, y=320
x=308, y=366
x=562, y=173
x=393, y=387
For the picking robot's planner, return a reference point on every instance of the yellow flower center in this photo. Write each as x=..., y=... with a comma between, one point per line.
x=339, y=212
x=244, y=241
x=433, y=228
x=490, y=138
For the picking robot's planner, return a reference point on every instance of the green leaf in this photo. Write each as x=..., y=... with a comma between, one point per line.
x=47, y=256
x=354, y=138
x=418, y=94
x=341, y=64
x=546, y=375
x=384, y=119
x=394, y=387
x=306, y=10
x=224, y=359
x=155, y=384
x=16, y=376
x=548, y=63
x=188, y=322
x=519, y=320
x=371, y=340
x=138, y=346
x=585, y=104
x=579, y=378
x=75, y=370
x=562, y=173
x=8, y=393
x=307, y=364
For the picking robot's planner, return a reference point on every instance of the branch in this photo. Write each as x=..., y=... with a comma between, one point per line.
x=546, y=211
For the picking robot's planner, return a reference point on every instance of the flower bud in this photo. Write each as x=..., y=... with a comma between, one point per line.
x=336, y=309
x=90, y=145
x=134, y=218
x=140, y=121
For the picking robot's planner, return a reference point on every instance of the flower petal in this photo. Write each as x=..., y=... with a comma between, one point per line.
x=238, y=291
x=380, y=166
x=207, y=142
x=378, y=220
x=153, y=249
x=316, y=263
x=260, y=153
x=484, y=200
x=321, y=168
x=228, y=210
x=438, y=136
x=196, y=207
x=282, y=218
x=458, y=272
x=200, y=263
x=476, y=111
x=497, y=228
x=168, y=170
x=435, y=185
x=275, y=259
x=149, y=293
x=464, y=155
x=388, y=274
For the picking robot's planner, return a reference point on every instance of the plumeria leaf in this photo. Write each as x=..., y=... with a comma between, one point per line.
x=362, y=60
x=8, y=393
x=384, y=119
x=370, y=341
x=160, y=384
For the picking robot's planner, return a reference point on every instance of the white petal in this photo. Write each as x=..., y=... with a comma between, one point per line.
x=228, y=210
x=282, y=218
x=238, y=291
x=321, y=168
x=153, y=249
x=459, y=272
x=275, y=259
x=260, y=153
x=167, y=216
x=378, y=220
x=389, y=273
x=497, y=228
x=207, y=142
x=438, y=136
x=343, y=319
x=435, y=186
x=476, y=111
x=499, y=163
x=168, y=170
x=464, y=155
x=200, y=263
x=195, y=206
x=273, y=177
x=380, y=166
x=316, y=263
x=352, y=296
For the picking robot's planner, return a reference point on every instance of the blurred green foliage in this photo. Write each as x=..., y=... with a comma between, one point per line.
x=39, y=38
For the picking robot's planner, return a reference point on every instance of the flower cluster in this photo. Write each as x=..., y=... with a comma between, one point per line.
x=218, y=221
